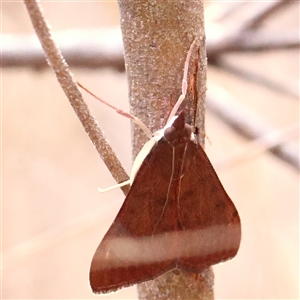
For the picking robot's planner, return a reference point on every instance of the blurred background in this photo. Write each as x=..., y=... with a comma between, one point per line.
x=53, y=216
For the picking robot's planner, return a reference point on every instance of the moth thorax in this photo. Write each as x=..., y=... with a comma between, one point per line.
x=178, y=136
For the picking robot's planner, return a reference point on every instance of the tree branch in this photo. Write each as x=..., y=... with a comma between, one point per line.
x=157, y=35
x=81, y=48
x=70, y=88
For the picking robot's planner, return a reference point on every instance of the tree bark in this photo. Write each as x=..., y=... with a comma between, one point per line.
x=157, y=35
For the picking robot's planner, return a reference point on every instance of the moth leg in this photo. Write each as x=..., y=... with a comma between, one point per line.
x=116, y=186
x=121, y=112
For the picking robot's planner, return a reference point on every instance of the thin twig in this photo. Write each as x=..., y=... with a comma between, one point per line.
x=81, y=48
x=255, y=77
x=70, y=88
x=254, y=42
x=255, y=147
x=245, y=123
x=262, y=12
x=245, y=35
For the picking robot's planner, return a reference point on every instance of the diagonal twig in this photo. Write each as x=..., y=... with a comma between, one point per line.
x=247, y=124
x=70, y=88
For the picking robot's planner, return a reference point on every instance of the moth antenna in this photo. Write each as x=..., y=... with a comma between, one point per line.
x=121, y=112
x=184, y=83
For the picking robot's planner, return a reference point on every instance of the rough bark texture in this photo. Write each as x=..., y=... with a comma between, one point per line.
x=157, y=35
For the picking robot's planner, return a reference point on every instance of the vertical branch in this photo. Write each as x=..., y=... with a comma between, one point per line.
x=157, y=35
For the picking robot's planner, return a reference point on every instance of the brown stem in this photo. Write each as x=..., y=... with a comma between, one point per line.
x=157, y=35
x=70, y=88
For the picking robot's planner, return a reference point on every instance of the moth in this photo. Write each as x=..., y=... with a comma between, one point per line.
x=177, y=214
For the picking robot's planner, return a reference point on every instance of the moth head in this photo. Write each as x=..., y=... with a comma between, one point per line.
x=179, y=132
